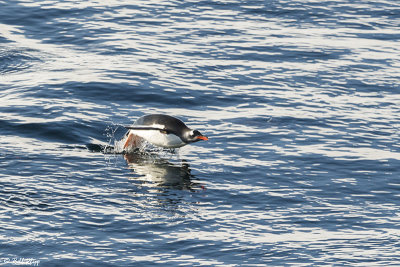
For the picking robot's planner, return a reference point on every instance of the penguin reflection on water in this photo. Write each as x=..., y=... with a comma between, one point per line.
x=162, y=131
x=160, y=172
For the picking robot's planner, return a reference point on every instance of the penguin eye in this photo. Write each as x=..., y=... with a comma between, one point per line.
x=194, y=133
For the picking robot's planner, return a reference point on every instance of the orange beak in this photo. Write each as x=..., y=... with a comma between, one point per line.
x=202, y=137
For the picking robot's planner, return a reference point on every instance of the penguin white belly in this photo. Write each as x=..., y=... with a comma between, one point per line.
x=157, y=138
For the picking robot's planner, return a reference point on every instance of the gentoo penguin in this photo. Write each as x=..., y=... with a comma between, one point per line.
x=163, y=131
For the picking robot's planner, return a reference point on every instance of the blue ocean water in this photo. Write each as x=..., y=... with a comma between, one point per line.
x=300, y=101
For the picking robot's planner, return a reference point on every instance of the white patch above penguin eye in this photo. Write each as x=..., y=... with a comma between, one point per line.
x=194, y=133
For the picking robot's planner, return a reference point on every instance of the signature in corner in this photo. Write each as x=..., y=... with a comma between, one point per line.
x=20, y=261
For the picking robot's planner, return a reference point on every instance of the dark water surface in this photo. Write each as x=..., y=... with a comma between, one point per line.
x=300, y=100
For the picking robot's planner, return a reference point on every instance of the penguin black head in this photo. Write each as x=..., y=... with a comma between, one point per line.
x=191, y=136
